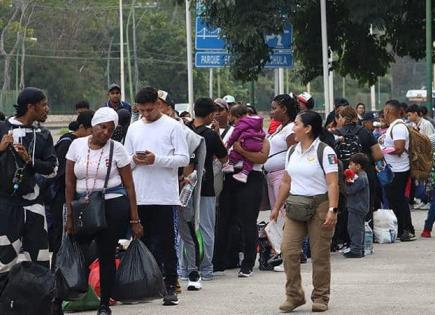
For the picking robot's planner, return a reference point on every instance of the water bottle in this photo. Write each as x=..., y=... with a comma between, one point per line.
x=368, y=240
x=187, y=191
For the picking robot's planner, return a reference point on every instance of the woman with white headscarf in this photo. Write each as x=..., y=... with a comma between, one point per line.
x=86, y=169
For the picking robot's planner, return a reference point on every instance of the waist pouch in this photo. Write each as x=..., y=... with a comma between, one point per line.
x=303, y=208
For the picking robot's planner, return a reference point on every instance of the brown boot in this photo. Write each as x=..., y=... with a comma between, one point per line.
x=290, y=305
x=319, y=307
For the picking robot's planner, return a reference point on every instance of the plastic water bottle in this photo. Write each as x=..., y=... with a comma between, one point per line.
x=368, y=240
x=187, y=191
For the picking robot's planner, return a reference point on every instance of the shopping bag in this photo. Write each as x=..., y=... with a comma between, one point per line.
x=29, y=290
x=274, y=231
x=138, y=277
x=384, y=226
x=71, y=271
x=89, y=302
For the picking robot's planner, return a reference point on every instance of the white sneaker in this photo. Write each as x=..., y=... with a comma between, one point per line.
x=194, y=283
x=241, y=177
x=279, y=268
x=228, y=168
x=425, y=206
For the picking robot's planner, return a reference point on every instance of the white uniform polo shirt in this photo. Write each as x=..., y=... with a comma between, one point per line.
x=307, y=177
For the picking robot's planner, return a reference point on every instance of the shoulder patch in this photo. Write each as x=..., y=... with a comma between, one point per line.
x=332, y=159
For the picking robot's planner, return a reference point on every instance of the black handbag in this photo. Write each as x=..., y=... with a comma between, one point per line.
x=90, y=213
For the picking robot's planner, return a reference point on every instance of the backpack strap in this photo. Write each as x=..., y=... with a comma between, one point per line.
x=224, y=133
x=320, y=150
x=109, y=167
x=409, y=133
x=291, y=151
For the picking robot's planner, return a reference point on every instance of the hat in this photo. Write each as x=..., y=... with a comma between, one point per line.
x=114, y=86
x=229, y=99
x=369, y=116
x=165, y=97
x=304, y=97
x=221, y=103
x=103, y=115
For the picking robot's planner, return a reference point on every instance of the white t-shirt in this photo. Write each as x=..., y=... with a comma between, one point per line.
x=400, y=132
x=78, y=153
x=307, y=177
x=425, y=127
x=157, y=184
x=278, y=148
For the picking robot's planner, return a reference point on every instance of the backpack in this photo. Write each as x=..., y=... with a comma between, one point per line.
x=341, y=182
x=420, y=153
x=350, y=145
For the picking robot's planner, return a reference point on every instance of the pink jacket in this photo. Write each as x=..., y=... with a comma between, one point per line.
x=247, y=127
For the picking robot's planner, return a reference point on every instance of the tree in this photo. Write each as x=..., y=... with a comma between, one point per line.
x=357, y=53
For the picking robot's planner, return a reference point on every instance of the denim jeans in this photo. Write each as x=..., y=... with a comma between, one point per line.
x=428, y=224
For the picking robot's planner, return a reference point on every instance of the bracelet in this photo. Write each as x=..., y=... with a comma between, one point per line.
x=134, y=221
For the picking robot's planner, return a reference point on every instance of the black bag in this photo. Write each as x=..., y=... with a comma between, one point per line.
x=30, y=290
x=90, y=213
x=71, y=271
x=349, y=145
x=138, y=277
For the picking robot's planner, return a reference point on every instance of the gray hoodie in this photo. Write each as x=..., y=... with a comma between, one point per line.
x=358, y=194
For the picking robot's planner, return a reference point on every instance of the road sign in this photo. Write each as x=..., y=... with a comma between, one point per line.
x=214, y=59
x=207, y=37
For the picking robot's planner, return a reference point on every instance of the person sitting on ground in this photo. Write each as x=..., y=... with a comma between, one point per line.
x=358, y=203
x=249, y=131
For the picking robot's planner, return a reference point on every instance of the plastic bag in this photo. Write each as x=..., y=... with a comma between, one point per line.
x=89, y=302
x=138, y=277
x=71, y=271
x=368, y=239
x=29, y=290
x=94, y=275
x=274, y=231
x=385, y=226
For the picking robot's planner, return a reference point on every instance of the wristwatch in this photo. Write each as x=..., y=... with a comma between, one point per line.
x=332, y=209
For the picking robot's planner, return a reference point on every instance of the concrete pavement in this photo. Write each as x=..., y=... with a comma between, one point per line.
x=398, y=279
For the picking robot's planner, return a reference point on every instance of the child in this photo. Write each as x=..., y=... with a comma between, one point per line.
x=358, y=199
x=248, y=130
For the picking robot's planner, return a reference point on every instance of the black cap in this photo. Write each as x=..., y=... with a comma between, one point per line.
x=114, y=86
x=369, y=116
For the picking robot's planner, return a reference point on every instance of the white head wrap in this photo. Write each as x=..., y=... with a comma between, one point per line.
x=103, y=115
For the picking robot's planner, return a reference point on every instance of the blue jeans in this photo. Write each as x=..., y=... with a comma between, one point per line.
x=207, y=227
x=428, y=224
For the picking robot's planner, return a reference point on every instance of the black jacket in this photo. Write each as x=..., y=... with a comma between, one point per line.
x=39, y=145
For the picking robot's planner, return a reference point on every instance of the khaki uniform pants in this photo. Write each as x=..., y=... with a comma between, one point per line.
x=320, y=242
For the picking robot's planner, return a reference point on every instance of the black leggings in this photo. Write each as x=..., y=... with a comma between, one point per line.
x=240, y=203
x=118, y=216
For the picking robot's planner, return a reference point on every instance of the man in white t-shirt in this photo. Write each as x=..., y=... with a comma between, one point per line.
x=158, y=146
x=397, y=137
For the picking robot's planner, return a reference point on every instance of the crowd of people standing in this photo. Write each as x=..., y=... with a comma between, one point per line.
x=141, y=156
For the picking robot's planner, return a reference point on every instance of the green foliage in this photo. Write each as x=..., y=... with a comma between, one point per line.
x=400, y=25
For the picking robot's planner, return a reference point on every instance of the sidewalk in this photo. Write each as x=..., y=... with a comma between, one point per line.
x=398, y=279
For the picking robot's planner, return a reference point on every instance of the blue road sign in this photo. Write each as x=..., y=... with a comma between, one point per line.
x=281, y=41
x=214, y=59
x=207, y=37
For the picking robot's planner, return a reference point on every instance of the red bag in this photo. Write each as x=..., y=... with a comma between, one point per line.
x=94, y=275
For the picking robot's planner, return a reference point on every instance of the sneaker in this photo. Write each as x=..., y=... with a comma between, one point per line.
x=170, y=297
x=104, y=310
x=228, y=168
x=352, y=255
x=426, y=233
x=218, y=273
x=303, y=258
x=344, y=250
x=425, y=206
x=279, y=268
x=245, y=273
x=241, y=177
x=407, y=237
x=194, y=283
x=208, y=277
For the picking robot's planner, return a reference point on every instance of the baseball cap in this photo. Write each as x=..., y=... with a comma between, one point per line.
x=304, y=97
x=229, y=99
x=165, y=97
x=114, y=86
x=370, y=116
x=221, y=103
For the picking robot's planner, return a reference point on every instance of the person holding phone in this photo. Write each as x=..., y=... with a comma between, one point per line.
x=158, y=147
